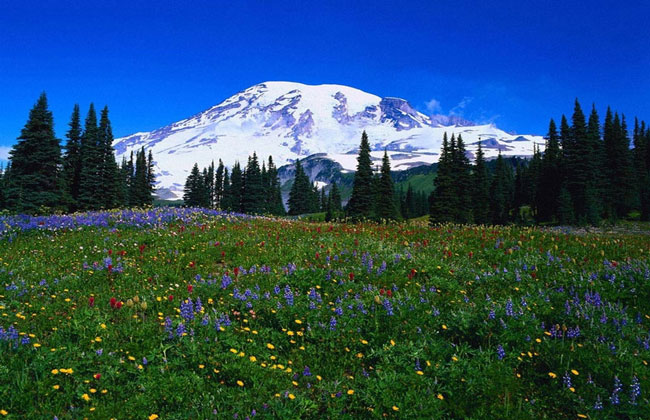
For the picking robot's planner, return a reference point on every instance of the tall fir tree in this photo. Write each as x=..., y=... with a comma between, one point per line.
x=361, y=201
x=218, y=185
x=253, y=194
x=462, y=183
x=443, y=198
x=550, y=180
x=480, y=189
x=91, y=161
x=35, y=180
x=226, y=199
x=274, y=198
x=72, y=160
x=501, y=191
x=151, y=181
x=300, y=196
x=236, y=187
x=108, y=171
x=195, y=193
x=385, y=208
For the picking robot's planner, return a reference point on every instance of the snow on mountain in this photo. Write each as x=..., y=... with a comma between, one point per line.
x=292, y=120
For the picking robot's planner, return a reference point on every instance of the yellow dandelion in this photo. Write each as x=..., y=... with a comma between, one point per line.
x=552, y=375
x=419, y=372
x=395, y=408
x=85, y=397
x=36, y=345
x=350, y=391
x=4, y=412
x=270, y=346
x=575, y=372
x=240, y=383
x=444, y=327
x=440, y=397
x=93, y=390
x=298, y=321
x=55, y=371
x=153, y=417
x=292, y=397
x=55, y=387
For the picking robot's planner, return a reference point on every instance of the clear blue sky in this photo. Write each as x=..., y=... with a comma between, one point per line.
x=516, y=63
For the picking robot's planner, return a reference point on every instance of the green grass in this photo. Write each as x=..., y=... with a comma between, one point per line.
x=420, y=317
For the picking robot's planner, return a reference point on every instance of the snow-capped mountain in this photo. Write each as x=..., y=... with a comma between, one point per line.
x=292, y=120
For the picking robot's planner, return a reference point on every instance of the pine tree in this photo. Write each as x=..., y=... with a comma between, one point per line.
x=195, y=193
x=565, y=214
x=140, y=188
x=323, y=200
x=151, y=181
x=335, y=196
x=72, y=160
x=443, y=198
x=34, y=178
x=218, y=186
x=253, y=194
x=226, y=199
x=130, y=181
x=236, y=188
x=550, y=180
x=91, y=160
x=361, y=202
x=501, y=191
x=462, y=183
x=209, y=182
x=274, y=198
x=480, y=189
x=108, y=171
x=385, y=207
x=301, y=192
x=619, y=196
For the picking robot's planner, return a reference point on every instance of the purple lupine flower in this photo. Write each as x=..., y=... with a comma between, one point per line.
x=635, y=390
x=618, y=386
x=501, y=353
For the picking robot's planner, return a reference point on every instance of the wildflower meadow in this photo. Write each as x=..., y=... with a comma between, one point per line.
x=187, y=313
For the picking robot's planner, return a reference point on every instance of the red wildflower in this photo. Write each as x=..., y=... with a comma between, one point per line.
x=141, y=248
x=351, y=276
x=190, y=288
x=97, y=375
x=382, y=291
x=170, y=297
x=389, y=293
x=236, y=271
x=91, y=301
x=118, y=305
x=113, y=301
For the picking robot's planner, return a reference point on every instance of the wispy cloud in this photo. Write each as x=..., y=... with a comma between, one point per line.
x=433, y=106
x=459, y=109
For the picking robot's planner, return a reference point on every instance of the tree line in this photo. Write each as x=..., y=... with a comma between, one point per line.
x=42, y=178
x=251, y=190
x=586, y=174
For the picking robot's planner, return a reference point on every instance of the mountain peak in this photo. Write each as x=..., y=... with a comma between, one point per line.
x=289, y=120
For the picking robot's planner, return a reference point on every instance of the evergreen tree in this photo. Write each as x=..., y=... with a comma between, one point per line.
x=91, y=161
x=481, y=189
x=565, y=214
x=274, y=199
x=550, y=180
x=335, y=200
x=195, y=193
x=236, y=188
x=300, y=194
x=323, y=200
x=253, y=194
x=72, y=160
x=385, y=207
x=443, y=198
x=209, y=182
x=619, y=196
x=151, y=181
x=130, y=181
x=361, y=202
x=140, y=188
x=108, y=171
x=218, y=186
x=462, y=183
x=226, y=199
x=501, y=191
x=34, y=177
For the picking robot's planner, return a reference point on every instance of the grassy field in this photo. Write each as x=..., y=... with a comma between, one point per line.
x=175, y=314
